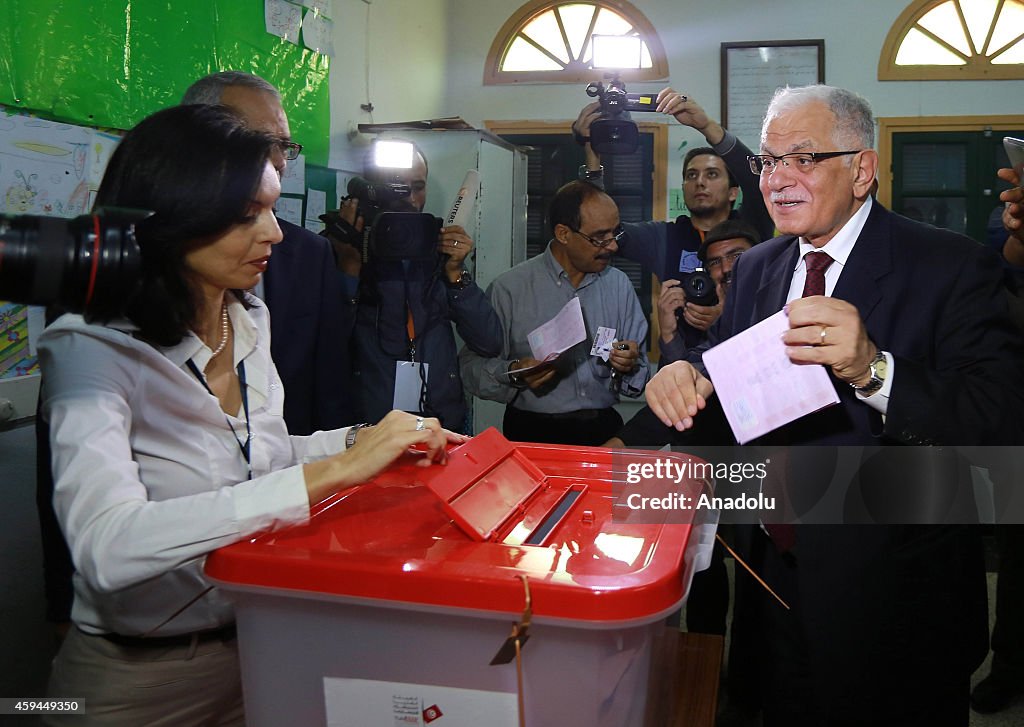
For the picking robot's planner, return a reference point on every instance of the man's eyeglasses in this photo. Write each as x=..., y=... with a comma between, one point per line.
x=803, y=161
x=714, y=262
x=290, y=149
x=617, y=234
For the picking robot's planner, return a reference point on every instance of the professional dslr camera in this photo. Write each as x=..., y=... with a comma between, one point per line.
x=89, y=264
x=392, y=228
x=699, y=289
x=615, y=132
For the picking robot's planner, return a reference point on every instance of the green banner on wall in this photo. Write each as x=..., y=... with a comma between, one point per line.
x=110, y=63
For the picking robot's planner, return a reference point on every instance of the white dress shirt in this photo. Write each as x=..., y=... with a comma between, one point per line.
x=149, y=477
x=839, y=249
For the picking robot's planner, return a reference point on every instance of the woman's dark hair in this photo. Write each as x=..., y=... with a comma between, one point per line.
x=198, y=169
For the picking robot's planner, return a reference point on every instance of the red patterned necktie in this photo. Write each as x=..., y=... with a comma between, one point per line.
x=784, y=534
x=816, y=263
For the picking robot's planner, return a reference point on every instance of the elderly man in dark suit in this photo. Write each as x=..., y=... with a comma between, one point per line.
x=887, y=622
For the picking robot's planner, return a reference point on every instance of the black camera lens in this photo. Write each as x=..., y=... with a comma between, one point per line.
x=699, y=288
x=88, y=264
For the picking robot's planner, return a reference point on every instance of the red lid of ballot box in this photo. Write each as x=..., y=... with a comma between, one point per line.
x=459, y=536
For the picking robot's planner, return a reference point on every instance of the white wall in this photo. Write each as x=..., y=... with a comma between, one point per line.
x=428, y=58
x=691, y=32
x=392, y=54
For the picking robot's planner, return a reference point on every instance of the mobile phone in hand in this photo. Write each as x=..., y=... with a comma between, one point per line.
x=1015, y=150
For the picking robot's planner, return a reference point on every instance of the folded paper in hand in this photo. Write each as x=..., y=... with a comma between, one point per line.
x=759, y=387
x=565, y=330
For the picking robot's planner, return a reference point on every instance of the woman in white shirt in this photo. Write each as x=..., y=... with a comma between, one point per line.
x=167, y=431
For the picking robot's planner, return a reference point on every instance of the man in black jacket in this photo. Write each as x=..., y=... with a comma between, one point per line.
x=887, y=622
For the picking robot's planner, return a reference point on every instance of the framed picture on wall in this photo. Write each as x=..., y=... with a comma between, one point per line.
x=753, y=70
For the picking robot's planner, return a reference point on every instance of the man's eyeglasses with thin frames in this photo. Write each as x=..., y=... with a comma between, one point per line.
x=803, y=161
x=290, y=149
x=617, y=235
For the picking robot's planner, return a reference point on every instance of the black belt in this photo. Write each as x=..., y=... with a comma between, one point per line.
x=224, y=633
x=579, y=414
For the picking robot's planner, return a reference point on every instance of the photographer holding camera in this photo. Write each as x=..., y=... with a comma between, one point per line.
x=677, y=304
x=404, y=348
x=713, y=177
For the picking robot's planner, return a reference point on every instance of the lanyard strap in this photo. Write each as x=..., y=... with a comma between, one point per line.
x=410, y=329
x=243, y=447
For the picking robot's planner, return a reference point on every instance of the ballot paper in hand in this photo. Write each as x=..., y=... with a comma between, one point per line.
x=759, y=387
x=565, y=330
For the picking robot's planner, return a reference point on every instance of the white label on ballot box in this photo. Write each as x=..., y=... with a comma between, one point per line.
x=409, y=385
x=366, y=703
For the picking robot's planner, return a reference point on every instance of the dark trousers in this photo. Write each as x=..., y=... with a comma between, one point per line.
x=708, y=602
x=589, y=427
x=772, y=664
x=1008, y=634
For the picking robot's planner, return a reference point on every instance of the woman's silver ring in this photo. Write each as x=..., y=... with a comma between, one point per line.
x=420, y=425
x=455, y=243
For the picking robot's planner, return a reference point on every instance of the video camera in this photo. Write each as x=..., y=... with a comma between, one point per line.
x=392, y=228
x=89, y=264
x=615, y=132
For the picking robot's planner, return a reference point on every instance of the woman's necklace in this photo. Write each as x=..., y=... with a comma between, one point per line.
x=224, y=322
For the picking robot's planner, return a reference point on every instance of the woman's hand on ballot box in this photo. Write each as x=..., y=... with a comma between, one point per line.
x=376, y=448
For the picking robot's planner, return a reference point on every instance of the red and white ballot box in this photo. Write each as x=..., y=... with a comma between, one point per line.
x=389, y=606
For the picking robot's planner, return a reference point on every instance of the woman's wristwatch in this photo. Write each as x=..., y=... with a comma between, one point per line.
x=350, y=435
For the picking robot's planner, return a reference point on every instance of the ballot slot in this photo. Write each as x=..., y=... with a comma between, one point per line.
x=556, y=515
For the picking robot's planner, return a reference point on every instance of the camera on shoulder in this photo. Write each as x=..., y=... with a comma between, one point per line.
x=393, y=226
x=392, y=229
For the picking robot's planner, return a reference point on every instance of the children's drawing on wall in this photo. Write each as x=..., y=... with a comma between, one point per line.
x=43, y=166
x=17, y=358
x=103, y=145
x=20, y=195
x=283, y=19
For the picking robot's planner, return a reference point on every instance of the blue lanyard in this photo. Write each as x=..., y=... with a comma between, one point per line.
x=244, y=447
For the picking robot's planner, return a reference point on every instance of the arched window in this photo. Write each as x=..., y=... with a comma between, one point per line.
x=546, y=42
x=955, y=39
